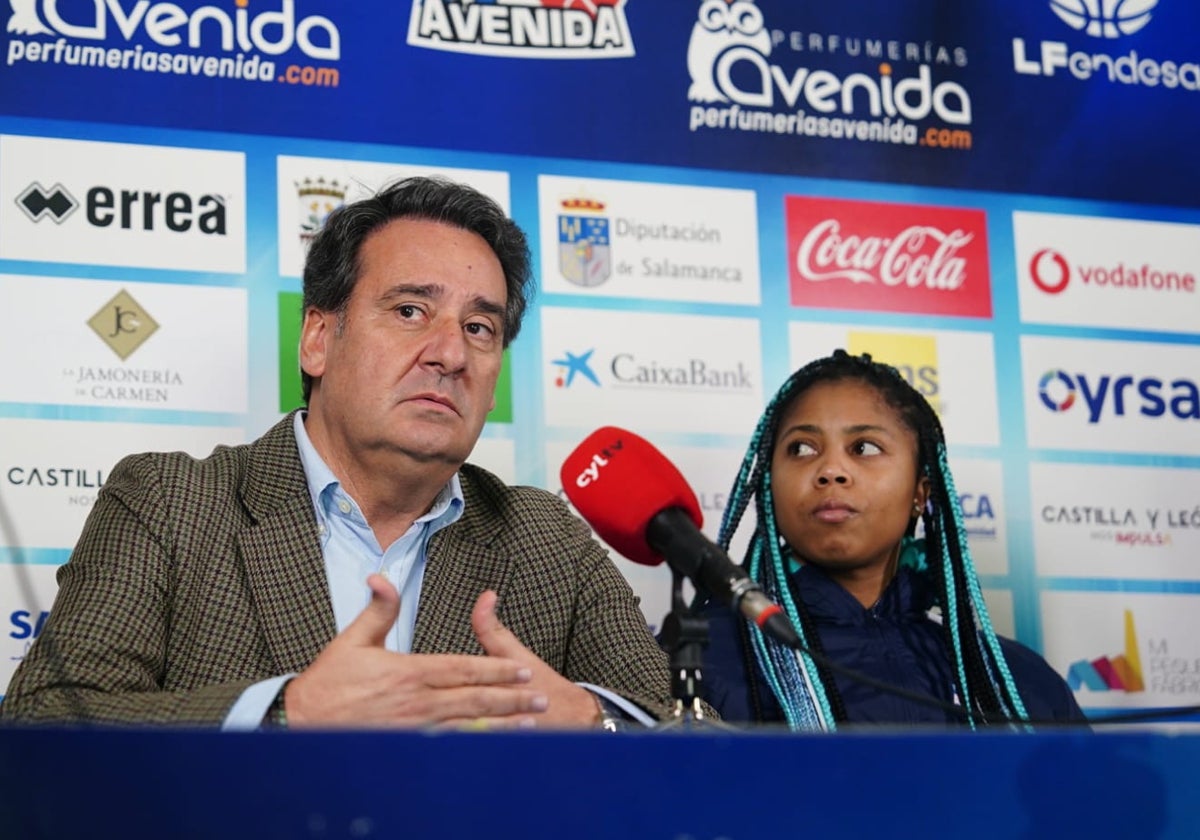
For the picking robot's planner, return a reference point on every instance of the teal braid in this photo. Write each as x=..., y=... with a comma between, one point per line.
x=996, y=662
x=779, y=667
x=799, y=693
x=791, y=662
x=951, y=623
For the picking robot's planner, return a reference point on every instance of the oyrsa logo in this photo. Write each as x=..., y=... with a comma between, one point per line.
x=523, y=28
x=890, y=257
x=1051, y=273
x=1119, y=396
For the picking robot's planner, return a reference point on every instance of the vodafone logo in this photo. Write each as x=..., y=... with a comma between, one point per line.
x=1049, y=271
x=891, y=257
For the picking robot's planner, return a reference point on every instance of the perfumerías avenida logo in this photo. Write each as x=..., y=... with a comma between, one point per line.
x=1108, y=20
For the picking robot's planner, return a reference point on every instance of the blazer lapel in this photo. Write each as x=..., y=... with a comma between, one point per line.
x=460, y=565
x=282, y=552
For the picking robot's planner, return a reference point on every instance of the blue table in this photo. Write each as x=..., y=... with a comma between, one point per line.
x=181, y=784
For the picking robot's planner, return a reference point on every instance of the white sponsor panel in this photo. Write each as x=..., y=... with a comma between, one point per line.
x=125, y=345
x=80, y=201
x=26, y=595
x=1095, y=272
x=51, y=470
x=955, y=371
x=648, y=371
x=1000, y=611
x=497, y=456
x=648, y=241
x=1111, y=396
x=710, y=474
x=308, y=189
x=1116, y=522
x=980, y=487
x=1124, y=649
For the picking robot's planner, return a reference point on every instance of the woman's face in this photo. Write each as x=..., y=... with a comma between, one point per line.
x=844, y=477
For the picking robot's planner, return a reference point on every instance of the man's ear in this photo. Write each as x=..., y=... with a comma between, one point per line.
x=315, y=333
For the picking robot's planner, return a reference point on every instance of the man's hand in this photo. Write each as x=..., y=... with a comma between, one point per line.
x=570, y=706
x=356, y=681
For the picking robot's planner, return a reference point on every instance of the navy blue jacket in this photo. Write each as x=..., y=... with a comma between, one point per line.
x=893, y=641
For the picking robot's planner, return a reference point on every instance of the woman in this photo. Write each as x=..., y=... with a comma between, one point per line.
x=845, y=459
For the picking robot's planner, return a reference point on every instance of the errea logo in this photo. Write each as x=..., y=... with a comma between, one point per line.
x=122, y=204
x=39, y=202
x=1104, y=18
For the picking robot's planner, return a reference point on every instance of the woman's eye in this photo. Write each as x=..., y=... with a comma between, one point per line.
x=865, y=447
x=799, y=447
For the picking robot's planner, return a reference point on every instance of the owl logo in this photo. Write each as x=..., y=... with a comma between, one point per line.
x=720, y=26
x=24, y=20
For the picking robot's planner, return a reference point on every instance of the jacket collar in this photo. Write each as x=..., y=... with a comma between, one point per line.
x=908, y=596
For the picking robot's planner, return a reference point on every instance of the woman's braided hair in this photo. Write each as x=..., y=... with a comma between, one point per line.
x=805, y=690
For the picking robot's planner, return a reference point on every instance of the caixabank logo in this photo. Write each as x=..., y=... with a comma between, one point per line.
x=749, y=77
x=523, y=28
x=1105, y=47
x=226, y=40
x=95, y=203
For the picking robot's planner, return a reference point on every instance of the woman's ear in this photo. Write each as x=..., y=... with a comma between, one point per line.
x=921, y=495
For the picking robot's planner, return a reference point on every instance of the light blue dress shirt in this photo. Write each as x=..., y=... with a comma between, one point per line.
x=351, y=554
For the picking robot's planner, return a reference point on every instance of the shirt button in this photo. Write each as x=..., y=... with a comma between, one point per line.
x=343, y=506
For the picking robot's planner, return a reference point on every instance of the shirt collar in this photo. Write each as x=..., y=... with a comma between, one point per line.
x=447, y=506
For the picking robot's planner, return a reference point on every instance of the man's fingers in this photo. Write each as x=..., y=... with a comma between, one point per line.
x=460, y=670
x=487, y=702
x=496, y=639
x=372, y=625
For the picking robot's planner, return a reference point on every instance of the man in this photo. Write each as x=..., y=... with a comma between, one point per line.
x=231, y=590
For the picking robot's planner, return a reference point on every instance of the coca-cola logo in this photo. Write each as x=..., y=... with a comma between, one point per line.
x=920, y=255
x=892, y=257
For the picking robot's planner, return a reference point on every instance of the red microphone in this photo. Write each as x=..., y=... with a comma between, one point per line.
x=641, y=505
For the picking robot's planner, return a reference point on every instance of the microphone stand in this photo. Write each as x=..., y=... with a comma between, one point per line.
x=684, y=637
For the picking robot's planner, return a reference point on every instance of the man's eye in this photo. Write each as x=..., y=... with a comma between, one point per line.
x=406, y=310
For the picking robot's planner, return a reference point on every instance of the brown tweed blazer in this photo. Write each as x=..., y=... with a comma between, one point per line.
x=193, y=579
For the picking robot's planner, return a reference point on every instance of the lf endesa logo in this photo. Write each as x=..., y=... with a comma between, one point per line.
x=1104, y=22
x=1118, y=396
x=1051, y=272
x=890, y=257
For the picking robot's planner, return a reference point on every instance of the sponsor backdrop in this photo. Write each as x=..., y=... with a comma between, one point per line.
x=998, y=198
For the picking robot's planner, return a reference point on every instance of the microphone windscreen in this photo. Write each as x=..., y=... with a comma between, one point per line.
x=618, y=482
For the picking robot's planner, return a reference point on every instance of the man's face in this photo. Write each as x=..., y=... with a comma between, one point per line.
x=412, y=366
